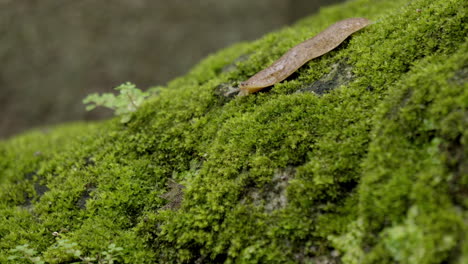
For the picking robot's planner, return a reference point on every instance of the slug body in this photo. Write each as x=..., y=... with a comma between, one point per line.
x=299, y=55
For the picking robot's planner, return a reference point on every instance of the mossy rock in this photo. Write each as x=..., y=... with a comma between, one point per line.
x=359, y=157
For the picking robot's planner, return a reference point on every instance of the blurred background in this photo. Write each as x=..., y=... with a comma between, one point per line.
x=55, y=52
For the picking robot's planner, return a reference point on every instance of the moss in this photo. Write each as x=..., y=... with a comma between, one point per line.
x=371, y=169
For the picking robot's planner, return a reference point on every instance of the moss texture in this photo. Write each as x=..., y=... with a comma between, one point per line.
x=359, y=157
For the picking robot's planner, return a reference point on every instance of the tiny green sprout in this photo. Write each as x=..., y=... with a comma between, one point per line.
x=112, y=252
x=123, y=104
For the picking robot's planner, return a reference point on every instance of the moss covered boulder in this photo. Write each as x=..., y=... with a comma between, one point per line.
x=360, y=157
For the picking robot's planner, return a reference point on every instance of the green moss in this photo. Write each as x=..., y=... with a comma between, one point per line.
x=372, y=170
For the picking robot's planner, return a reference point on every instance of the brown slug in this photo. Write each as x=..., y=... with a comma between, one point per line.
x=300, y=54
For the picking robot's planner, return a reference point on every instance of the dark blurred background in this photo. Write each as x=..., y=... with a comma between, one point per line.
x=55, y=52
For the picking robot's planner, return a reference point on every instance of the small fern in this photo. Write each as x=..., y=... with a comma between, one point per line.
x=123, y=104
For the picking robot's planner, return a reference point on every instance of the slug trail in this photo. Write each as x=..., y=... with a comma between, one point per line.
x=312, y=48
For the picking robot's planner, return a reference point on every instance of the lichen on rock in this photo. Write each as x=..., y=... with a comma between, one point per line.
x=371, y=171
